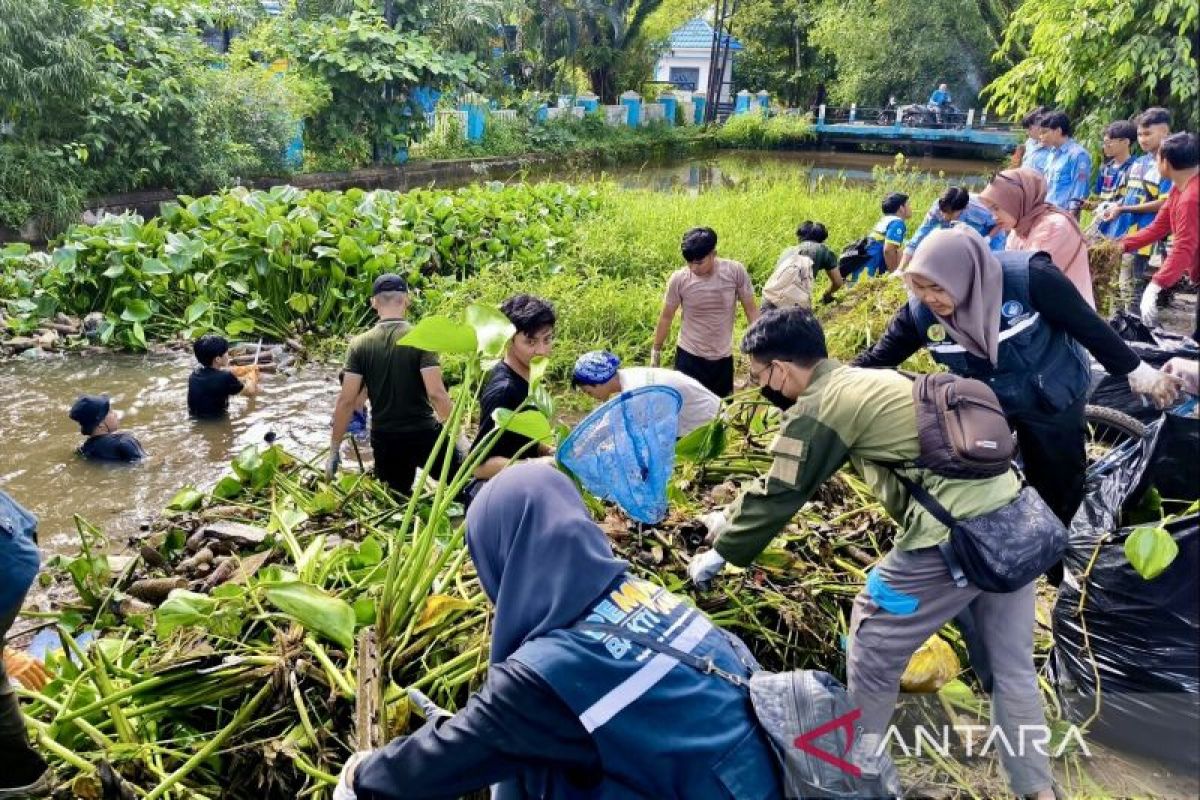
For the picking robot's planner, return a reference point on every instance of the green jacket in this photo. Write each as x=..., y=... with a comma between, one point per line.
x=861, y=416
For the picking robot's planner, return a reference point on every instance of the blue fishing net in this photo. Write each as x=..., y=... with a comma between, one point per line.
x=624, y=451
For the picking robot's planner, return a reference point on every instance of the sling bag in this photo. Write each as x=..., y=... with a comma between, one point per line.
x=790, y=707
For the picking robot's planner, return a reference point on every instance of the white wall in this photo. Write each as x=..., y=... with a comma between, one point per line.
x=693, y=58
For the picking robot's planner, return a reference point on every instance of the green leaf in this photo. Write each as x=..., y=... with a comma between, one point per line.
x=227, y=488
x=317, y=611
x=115, y=271
x=188, y=498
x=1150, y=551
x=152, y=266
x=196, y=310
x=137, y=311
x=274, y=235
x=301, y=303
x=703, y=444
x=182, y=609
x=441, y=335
x=240, y=326
x=247, y=462
x=530, y=424
x=537, y=370
x=349, y=251
x=492, y=329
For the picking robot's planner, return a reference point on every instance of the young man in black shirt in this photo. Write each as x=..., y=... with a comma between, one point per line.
x=99, y=423
x=212, y=383
x=507, y=384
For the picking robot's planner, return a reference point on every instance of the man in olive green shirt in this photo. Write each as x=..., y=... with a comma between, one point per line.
x=404, y=386
x=835, y=415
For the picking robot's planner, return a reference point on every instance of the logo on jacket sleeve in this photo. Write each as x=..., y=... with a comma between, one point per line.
x=1012, y=309
x=935, y=333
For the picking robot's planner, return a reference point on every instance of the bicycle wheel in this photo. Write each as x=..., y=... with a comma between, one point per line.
x=1108, y=429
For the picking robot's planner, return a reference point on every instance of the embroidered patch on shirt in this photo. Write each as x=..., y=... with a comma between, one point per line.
x=935, y=333
x=1012, y=309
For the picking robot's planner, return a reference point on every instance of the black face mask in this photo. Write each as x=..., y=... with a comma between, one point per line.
x=777, y=398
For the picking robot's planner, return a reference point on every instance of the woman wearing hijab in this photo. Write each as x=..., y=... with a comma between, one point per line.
x=1014, y=321
x=1017, y=198
x=573, y=714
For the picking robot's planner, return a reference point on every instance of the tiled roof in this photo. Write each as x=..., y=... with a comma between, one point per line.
x=697, y=33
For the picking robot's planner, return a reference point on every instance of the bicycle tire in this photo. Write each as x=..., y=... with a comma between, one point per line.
x=1114, y=420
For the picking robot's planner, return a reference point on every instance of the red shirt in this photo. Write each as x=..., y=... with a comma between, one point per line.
x=1179, y=218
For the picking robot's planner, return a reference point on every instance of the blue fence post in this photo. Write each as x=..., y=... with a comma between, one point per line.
x=764, y=100
x=698, y=103
x=633, y=106
x=589, y=102
x=475, y=120
x=293, y=154
x=742, y=104
x=543, y=113
x=668, y=102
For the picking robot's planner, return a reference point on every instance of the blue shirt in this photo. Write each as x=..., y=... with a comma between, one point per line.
x=1143, y=184
x=1068, y=175
x=1035, y=156
x=1110, y=185
x=939, y=98
x=975, y=216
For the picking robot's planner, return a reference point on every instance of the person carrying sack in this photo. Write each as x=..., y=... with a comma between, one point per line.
x=833, y=415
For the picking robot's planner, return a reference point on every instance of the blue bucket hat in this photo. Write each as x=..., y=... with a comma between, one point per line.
x=89, y=411
x=595, y=368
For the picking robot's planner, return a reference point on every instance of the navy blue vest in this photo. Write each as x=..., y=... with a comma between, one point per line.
x=663, y=729
x=1039, y=368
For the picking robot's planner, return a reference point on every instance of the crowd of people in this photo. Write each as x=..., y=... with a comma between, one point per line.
x=999, y=291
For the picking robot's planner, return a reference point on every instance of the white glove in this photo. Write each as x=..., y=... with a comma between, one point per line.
x=704, y=567
x=655, y=357
x=1186, y=371
x=345, y=785
x=714, y=522
x=1162, y=388
x=332, y=464
x=429, y=709
x=1149, y=306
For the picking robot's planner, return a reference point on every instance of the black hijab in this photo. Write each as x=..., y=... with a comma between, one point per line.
x=540, y=558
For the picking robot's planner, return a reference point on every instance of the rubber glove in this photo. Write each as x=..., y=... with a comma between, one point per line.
x=714, y=522
x=655, y=358
x=429, y=709
x=704, y=567
x=1160, y=387
x=345, y=785
x=1149, y=305
x=1187, y=371
x=332, y=464
x=28, y=671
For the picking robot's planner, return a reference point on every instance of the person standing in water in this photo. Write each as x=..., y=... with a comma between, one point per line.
x=99, y=422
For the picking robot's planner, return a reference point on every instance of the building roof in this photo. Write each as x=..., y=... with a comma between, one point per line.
x=697, y=34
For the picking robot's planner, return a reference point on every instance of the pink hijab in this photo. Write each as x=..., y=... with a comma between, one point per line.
x=960, y=261
x=1022, y=193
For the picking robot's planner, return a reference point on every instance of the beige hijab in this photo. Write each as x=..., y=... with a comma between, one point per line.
x=958, y=260
x=1022, y=193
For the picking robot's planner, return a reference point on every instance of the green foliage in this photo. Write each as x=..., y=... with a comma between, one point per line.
x=370, y=68
x=1150, y=551
x=757, y=131
x=46, y=66
x=904, y=47
x=39, y=184
x=1102, y=59
x=285, y=262
x=779, y=55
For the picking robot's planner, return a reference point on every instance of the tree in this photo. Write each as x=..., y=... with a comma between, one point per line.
x=906, y=47
x=46, y=65
x=1101, y=60
x=778, y=54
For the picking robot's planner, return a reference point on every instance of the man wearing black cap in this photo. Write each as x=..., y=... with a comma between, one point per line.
x=99, y=422
x=405, y=388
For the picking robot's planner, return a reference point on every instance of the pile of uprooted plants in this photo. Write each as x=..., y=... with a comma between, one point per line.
x=266, y=628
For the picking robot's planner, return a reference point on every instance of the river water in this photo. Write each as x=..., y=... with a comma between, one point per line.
x=38, y=464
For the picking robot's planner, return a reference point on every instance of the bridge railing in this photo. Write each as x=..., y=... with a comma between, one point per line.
x=911, y=116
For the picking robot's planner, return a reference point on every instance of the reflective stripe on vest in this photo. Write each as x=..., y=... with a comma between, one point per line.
x=644, y=679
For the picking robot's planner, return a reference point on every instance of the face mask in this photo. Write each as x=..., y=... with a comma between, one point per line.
x=777, y=398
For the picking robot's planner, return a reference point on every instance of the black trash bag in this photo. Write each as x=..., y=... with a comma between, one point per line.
x=1155, y=347
x=1140, y=638
x=1175, y=460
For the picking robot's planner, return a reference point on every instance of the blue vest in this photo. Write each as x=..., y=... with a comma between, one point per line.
x=1039, y=368
x=663, y=729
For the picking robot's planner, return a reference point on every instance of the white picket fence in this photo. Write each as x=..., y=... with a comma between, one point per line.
x=559, y=113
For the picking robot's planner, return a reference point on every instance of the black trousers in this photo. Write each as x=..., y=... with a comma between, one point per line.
x=398, y=456
x=716, y=376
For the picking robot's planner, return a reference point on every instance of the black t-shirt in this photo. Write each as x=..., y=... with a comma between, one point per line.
x=209, y=390
x=112, y=447
x=504, y=389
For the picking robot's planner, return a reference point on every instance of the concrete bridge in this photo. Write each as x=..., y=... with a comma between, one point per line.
x=956, y=133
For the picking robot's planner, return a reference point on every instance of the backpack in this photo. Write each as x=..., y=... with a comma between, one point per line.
x=791, y=283
x=807, y=716
x=855, y=256
x=962, y=429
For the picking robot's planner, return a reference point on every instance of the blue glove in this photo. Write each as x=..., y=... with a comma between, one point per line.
x=358, y=424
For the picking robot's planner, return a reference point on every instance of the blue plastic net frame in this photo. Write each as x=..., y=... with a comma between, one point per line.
x=624, y=451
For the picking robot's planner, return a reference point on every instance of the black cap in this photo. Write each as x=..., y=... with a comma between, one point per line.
x=89, y=411
x=389, y=282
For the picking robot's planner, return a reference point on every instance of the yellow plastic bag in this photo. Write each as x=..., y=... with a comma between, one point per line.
x=931, y=667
